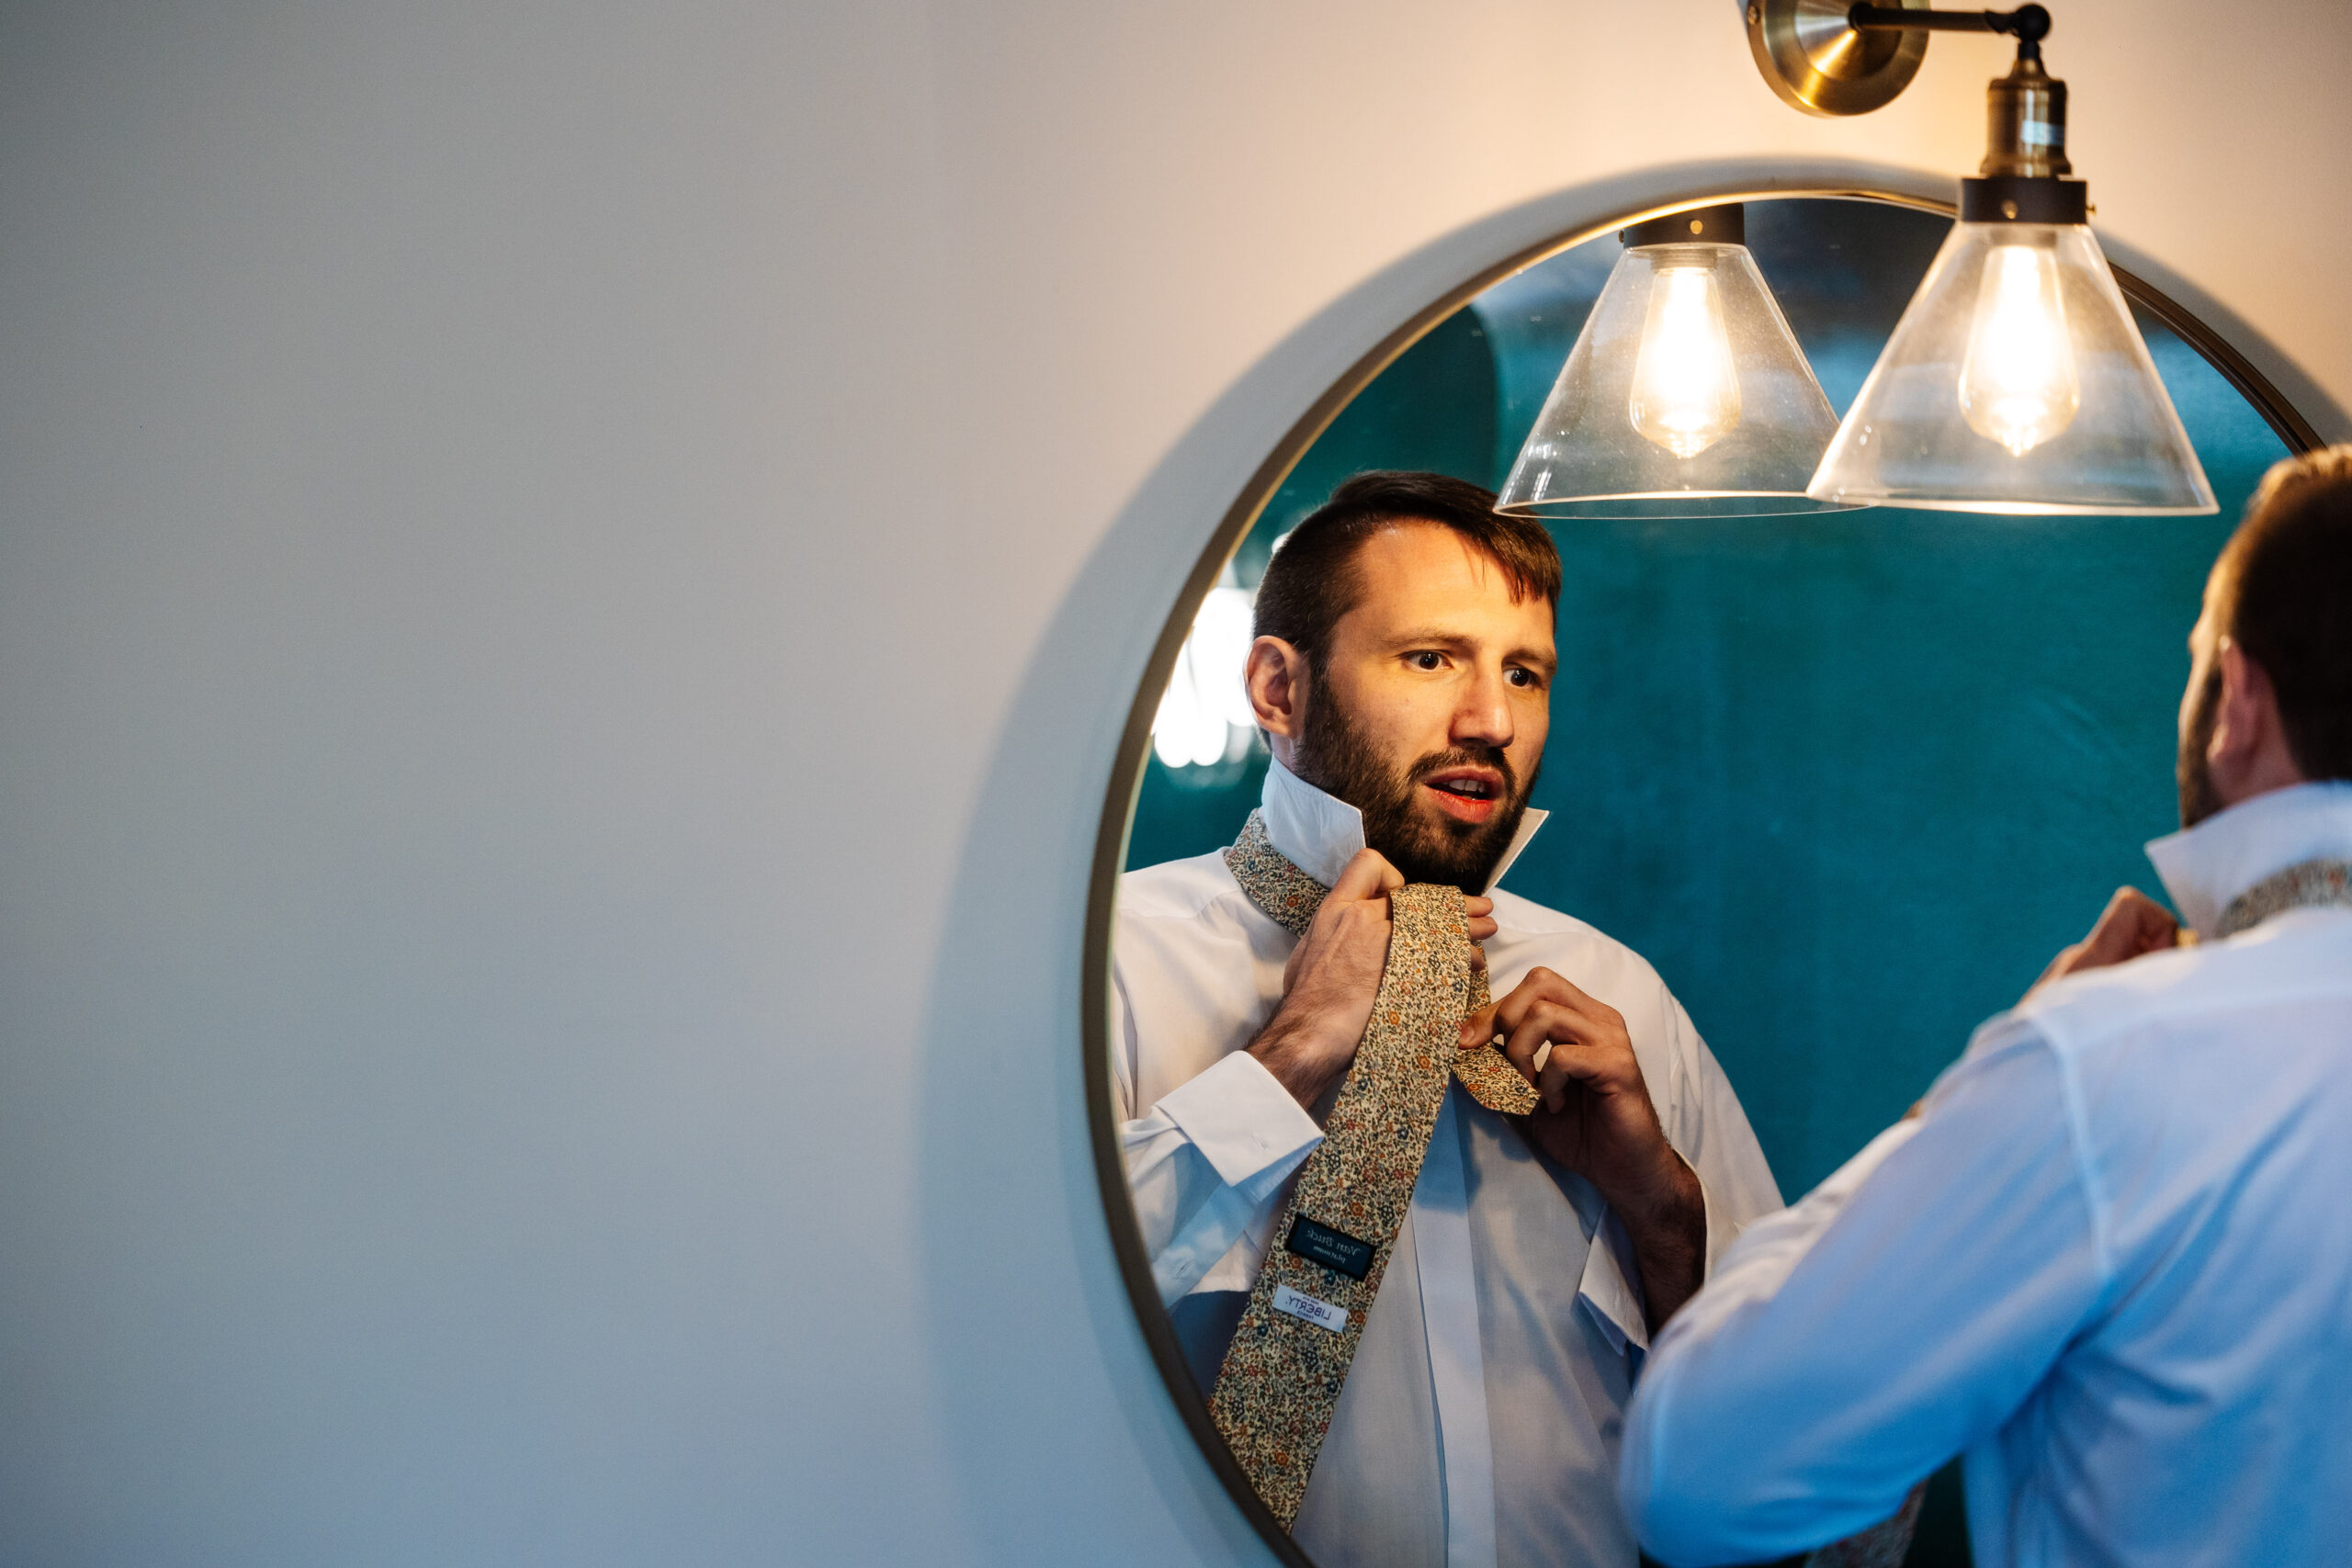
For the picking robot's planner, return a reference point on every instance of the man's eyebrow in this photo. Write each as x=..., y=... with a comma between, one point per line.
x=1429, y=636
x=1438, y=637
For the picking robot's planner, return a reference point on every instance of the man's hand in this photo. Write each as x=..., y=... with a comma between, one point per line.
x=1329, y=982
x=1597, y=1119
x=1334, y=974
x=2132, y=924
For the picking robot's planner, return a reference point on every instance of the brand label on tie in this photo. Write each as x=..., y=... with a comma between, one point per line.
x=1321, y=1313
x=1336, y=1250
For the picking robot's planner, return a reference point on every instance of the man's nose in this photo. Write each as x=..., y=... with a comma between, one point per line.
x=1484, y=716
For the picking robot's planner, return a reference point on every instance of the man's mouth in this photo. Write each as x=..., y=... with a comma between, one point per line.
x=1470, y=796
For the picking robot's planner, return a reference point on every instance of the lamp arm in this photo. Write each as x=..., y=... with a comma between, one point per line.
x=1827, y=57
x=2027, y=24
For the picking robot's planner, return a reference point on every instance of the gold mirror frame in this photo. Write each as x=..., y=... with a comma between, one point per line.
x=1134, y=741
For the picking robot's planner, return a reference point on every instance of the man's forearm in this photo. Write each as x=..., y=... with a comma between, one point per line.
x=1668, y=1230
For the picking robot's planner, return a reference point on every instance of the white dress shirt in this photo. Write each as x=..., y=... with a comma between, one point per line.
x=2110, y=1263
x=1480, y=1420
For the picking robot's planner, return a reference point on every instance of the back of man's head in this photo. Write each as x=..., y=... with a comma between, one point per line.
x=1310, y=582
x=2283, y=593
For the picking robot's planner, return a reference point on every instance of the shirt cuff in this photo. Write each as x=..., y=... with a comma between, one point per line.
x=1722, y=1229
x=1608, y=1286
x=1240, y=1118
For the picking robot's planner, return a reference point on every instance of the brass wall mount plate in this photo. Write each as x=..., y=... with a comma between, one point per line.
x=1817, y=63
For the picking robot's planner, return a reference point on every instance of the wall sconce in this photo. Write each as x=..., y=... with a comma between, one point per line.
x=1686, y=393
x=2016, y=380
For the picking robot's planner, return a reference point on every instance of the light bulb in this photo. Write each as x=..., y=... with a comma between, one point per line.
x=1205, y=716
x=1686, y=394
x=2018, y=385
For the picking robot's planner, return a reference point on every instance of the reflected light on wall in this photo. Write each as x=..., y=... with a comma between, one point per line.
x=1205, y=716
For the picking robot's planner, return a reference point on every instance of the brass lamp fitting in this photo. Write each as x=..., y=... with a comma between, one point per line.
x=2025, y=111
x=2025, y=123
x=1827, y=60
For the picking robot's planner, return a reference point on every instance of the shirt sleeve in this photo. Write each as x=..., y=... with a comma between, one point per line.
x=1848, y=1347
x=1708, y=1127
x=1704, y=1122
x=1206, y=1164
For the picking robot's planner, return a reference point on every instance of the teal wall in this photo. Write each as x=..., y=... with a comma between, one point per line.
x=1848, y=780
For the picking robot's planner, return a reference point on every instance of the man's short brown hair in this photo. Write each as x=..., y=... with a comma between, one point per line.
x=2283, y=593
x=1311, y=581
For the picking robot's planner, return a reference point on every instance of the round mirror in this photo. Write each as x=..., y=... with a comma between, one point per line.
x=1818, y=794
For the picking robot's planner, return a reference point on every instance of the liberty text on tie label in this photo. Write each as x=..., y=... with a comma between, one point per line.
x=1321, y=1313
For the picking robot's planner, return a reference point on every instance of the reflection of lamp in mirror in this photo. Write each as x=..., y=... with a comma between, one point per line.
x=2016, y=380
x=1204, y=716
x=1685, y=395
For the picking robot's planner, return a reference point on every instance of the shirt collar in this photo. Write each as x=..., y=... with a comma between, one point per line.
x=2206, y=867
x=1319, y=833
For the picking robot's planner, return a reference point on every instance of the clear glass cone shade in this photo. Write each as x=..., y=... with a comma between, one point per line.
x=2016, y=382
x=1686, y=395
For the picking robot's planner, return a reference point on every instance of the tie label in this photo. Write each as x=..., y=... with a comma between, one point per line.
x=1336, y=1250
x=1321, y=1313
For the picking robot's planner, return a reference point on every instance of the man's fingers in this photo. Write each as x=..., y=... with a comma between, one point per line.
x=1474, y=908
x=1568, y=1063
x=1542, y=988
x=2132, y=905
x=1547, y=1023
x=1482, y=927
x=2132, y=924
x=1368, y=874
x=2157, y=927
x=1478, y=1028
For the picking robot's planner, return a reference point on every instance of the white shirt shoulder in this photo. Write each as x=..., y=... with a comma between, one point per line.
x=1176, y=889
x=1537, y=928
x=1701, y=1115
x=1195, y=972
x=2297, y=954
x=1532, y=936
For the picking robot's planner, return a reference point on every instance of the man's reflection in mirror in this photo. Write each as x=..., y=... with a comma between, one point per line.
x=1402, y=673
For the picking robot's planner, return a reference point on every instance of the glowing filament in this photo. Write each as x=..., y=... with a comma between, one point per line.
x=1686, y=395
x=2018, y=385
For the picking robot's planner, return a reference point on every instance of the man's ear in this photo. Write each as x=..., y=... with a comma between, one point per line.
x=1276, y=676
x=2248, y=754
x=2247, y=712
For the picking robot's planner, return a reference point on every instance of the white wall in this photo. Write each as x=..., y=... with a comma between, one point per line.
x=569, y=577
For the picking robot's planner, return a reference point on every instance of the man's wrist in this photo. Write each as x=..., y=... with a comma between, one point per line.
x=1665, y=1218
x=1291, y=1053
x=1665, y=1197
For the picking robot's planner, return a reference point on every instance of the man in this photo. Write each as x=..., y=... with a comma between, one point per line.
x=2109, y=1258
x=1402, y=673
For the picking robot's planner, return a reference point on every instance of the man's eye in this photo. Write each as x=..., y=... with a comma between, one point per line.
x=1428, y=660
x=1522, y=678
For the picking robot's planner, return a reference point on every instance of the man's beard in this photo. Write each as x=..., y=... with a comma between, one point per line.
x=1334, y=756
x=2194, y=776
